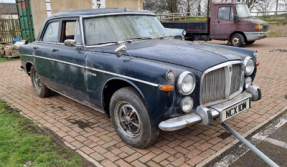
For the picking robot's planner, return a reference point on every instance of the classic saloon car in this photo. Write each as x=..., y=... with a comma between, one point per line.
x=123, y=63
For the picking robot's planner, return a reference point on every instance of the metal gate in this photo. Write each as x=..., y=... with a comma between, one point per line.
x=9, y=28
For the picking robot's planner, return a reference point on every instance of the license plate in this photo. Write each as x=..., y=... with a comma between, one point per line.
x=235, y=109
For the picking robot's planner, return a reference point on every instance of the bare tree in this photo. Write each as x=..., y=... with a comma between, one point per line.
x=162, y=6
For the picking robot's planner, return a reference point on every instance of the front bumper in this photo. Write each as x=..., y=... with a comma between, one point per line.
x=206, y=115
x=252, y=36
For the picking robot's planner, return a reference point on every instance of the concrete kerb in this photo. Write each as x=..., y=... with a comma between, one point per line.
x=204, y=162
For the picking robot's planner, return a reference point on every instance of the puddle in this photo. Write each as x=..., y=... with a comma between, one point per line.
x=224, y=135
x=279, y=50
x=81, y=124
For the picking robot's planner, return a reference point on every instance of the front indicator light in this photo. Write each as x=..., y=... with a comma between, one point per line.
x=166, y=88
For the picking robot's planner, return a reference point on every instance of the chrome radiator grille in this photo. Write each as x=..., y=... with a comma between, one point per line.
x=220, y=82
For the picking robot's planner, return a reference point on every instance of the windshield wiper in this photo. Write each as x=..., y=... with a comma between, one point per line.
x=144, y=38
x=105, y=43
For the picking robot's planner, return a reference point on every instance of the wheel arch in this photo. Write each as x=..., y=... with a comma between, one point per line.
x=111, y=86
x=29, y=64
x=240, y=32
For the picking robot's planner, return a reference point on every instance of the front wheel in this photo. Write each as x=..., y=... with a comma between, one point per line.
x=39, y=87
x=237, y=40
x=131, y=119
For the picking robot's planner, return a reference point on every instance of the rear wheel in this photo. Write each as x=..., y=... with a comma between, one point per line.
x=131, y=119
x=249, y=42
x=39, y=87
x=237, y=40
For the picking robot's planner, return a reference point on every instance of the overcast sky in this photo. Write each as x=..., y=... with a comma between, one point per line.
x=7, y=1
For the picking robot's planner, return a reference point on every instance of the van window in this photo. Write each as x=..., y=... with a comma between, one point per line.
x=225, y=13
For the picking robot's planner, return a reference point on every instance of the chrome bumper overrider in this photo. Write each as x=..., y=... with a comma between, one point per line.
x=252, y=36
x=206, y=115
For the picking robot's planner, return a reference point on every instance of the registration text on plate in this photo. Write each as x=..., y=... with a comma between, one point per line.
x=235, y=109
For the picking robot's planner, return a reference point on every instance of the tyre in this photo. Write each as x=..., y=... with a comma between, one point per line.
x=39, y=87
x=249, y=42
x=237, y=40
x=131, y=119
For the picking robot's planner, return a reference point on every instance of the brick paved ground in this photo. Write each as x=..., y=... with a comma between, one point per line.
x=92, y=132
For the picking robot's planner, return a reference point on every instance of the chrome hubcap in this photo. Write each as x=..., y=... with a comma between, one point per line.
x=36, y=80
x=128, y=119
x=235, y=41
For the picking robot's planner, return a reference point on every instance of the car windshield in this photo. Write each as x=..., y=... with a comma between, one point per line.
x=107, y=29
x=242, y=11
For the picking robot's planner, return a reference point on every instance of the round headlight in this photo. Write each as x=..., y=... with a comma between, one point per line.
x=186, y=83
x=186, y=104
x=249, y=64
x=248, y=82
x=183, y=32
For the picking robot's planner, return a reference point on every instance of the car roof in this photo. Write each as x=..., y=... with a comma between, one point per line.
x=86, y=12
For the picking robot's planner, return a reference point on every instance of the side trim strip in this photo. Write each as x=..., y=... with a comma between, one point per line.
x=94, y=69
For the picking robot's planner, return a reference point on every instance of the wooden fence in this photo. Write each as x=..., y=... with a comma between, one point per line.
x=9, y=28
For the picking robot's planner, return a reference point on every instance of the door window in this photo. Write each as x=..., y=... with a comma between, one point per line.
x=225, y=13
x=51, y=34
x=71, y=30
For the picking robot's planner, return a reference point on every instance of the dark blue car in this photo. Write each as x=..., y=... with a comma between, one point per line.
x=125, y=64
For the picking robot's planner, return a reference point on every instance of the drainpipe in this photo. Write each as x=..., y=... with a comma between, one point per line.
x=139, y=5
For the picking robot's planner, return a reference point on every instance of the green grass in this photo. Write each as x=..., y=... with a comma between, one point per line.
x=275, y=20
x=195, y=19
x=3, y=59
x=22, y=141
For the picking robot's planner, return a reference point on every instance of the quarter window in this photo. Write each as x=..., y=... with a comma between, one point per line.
x=225, y=13
x=51, y=34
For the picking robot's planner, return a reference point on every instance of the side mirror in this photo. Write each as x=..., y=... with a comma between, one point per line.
x=70, y=42
x=235, y=18
x=120, y=50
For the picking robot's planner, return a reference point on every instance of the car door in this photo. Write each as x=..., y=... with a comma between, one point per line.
x=70, y=64
x=43, y=59
x=224, y=23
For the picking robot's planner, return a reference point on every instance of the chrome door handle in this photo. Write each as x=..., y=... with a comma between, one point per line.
x=55, y=49
x=35, y=47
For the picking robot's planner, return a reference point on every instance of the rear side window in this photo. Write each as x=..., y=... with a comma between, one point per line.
x=225, y=13
x=51, y=34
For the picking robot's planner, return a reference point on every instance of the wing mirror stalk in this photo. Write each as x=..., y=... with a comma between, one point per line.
x=72, y=43
x=119, y=51
x=235, y=18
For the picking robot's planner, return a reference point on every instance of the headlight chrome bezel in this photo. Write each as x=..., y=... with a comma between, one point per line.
x=180, y=82
x=248, y=82
x=183, y=100
x=245, y=64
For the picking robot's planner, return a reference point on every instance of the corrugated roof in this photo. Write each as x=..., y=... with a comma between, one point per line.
x=8, y=8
